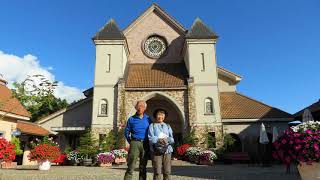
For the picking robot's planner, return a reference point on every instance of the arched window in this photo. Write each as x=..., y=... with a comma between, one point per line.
x=208, y=106
x=103, y=107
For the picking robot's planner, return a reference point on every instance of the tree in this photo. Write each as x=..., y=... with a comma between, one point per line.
x=109, y=143
x=36, y=95
x=88, y=144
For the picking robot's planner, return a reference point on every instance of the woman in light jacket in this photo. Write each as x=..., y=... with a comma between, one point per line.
x=160, y=133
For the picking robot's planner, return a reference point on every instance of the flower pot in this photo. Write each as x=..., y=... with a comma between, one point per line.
x=120, y=160
x=309, y=172
x=44, y=165
x=8, y=165
x=87, y=162
x=105, y=164
x=204, y=162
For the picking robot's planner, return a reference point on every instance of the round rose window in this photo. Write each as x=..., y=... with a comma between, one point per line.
x=154, y=46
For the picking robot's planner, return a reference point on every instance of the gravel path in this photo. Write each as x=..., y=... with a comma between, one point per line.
x=180, y=171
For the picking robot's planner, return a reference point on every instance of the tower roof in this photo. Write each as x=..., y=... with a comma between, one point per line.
x=200, y=31
x=109, y=31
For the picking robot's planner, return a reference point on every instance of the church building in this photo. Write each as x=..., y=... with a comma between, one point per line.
x=158, y=60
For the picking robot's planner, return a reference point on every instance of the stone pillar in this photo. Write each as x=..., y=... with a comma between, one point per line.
x=121, y=104
x=192, y=110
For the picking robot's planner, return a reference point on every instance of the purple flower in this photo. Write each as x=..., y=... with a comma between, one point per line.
x=316, y=147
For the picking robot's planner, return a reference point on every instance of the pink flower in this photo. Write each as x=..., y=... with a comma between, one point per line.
x=297, y=147
x=283, y=141
x=316, y=147
x=308, y=131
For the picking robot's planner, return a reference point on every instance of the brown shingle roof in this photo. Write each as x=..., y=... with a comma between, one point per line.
x=10, y=104
x=31, y=128
x=237, y=106
x=158, y=75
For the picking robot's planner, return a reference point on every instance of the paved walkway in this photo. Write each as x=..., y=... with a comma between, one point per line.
x=180, y=171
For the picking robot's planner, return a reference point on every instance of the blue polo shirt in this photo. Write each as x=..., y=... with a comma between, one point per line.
x=137, y=127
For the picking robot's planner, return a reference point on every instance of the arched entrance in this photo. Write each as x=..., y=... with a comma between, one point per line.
x=176, y=117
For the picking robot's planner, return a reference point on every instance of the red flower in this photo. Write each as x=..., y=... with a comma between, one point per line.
x=181, y=150
x=7, y=152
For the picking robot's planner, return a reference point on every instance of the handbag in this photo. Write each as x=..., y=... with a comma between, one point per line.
x=159, y=148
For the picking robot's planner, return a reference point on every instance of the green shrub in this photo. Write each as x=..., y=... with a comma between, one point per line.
x=16, y=142
x=109, y=143
x=88, y=144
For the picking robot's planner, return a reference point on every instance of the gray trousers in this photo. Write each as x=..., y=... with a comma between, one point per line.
x=161, y=164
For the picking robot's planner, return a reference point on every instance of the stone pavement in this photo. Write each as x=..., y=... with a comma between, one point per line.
x=180, y=171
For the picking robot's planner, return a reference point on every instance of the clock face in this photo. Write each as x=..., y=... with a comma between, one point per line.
x=154, y=46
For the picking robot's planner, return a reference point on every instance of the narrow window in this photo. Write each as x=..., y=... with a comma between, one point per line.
x=103, y=108
x=203, y=64
x=208, y=105
x=108, y=62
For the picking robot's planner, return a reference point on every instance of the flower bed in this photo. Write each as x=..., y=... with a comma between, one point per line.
x=75, y=157
x=299, y=144
x=7, y=153
x=207, y=157
x=120, y=155
x=105, y=159
x=181, y=150
x=44, y=152
x=193, y=154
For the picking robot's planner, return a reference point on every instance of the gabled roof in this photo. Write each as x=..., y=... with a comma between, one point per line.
x=230, y=75
x=234, y=105
x=61, y=111
x=313, y=108
x=10, y=104
x=110, y=31
x=155, y=7
x=200, y=31
x=31, y=128
x=158, y=75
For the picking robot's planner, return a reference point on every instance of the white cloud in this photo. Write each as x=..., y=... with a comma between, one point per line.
x=17, y=69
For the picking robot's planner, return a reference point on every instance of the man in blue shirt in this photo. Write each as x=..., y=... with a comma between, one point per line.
x=136, y=133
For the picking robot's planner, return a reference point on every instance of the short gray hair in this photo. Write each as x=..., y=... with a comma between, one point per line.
x=137, y=102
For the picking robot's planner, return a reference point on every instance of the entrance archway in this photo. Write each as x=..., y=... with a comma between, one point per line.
x=175, y=119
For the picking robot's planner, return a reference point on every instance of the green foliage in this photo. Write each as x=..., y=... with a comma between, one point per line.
x=16, y=142
x=109, y=142
x=191, y=138
x=121, y=140
x=88, y=144
x=211, y=141
x=36, y=94
x=228, y=143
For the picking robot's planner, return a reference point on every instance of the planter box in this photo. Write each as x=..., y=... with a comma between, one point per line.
x=8, y=165
x=309, y=172
x=105, y=164
x=120, y=160
x=208, y=163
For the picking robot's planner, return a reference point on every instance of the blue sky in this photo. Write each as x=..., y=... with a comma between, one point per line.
x=273, y=44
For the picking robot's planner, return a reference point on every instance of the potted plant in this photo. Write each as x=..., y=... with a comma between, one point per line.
x=193, y=154
x=44, y=152
x=105, y=159
x=88, y=147
x=181, y=151
x=75, y=157
x=300, y=145
x=207, y=157
x=120, y=155
x=7, y=154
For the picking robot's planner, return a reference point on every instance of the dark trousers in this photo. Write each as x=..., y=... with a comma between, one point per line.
x=137, y=150
x=161, y=163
